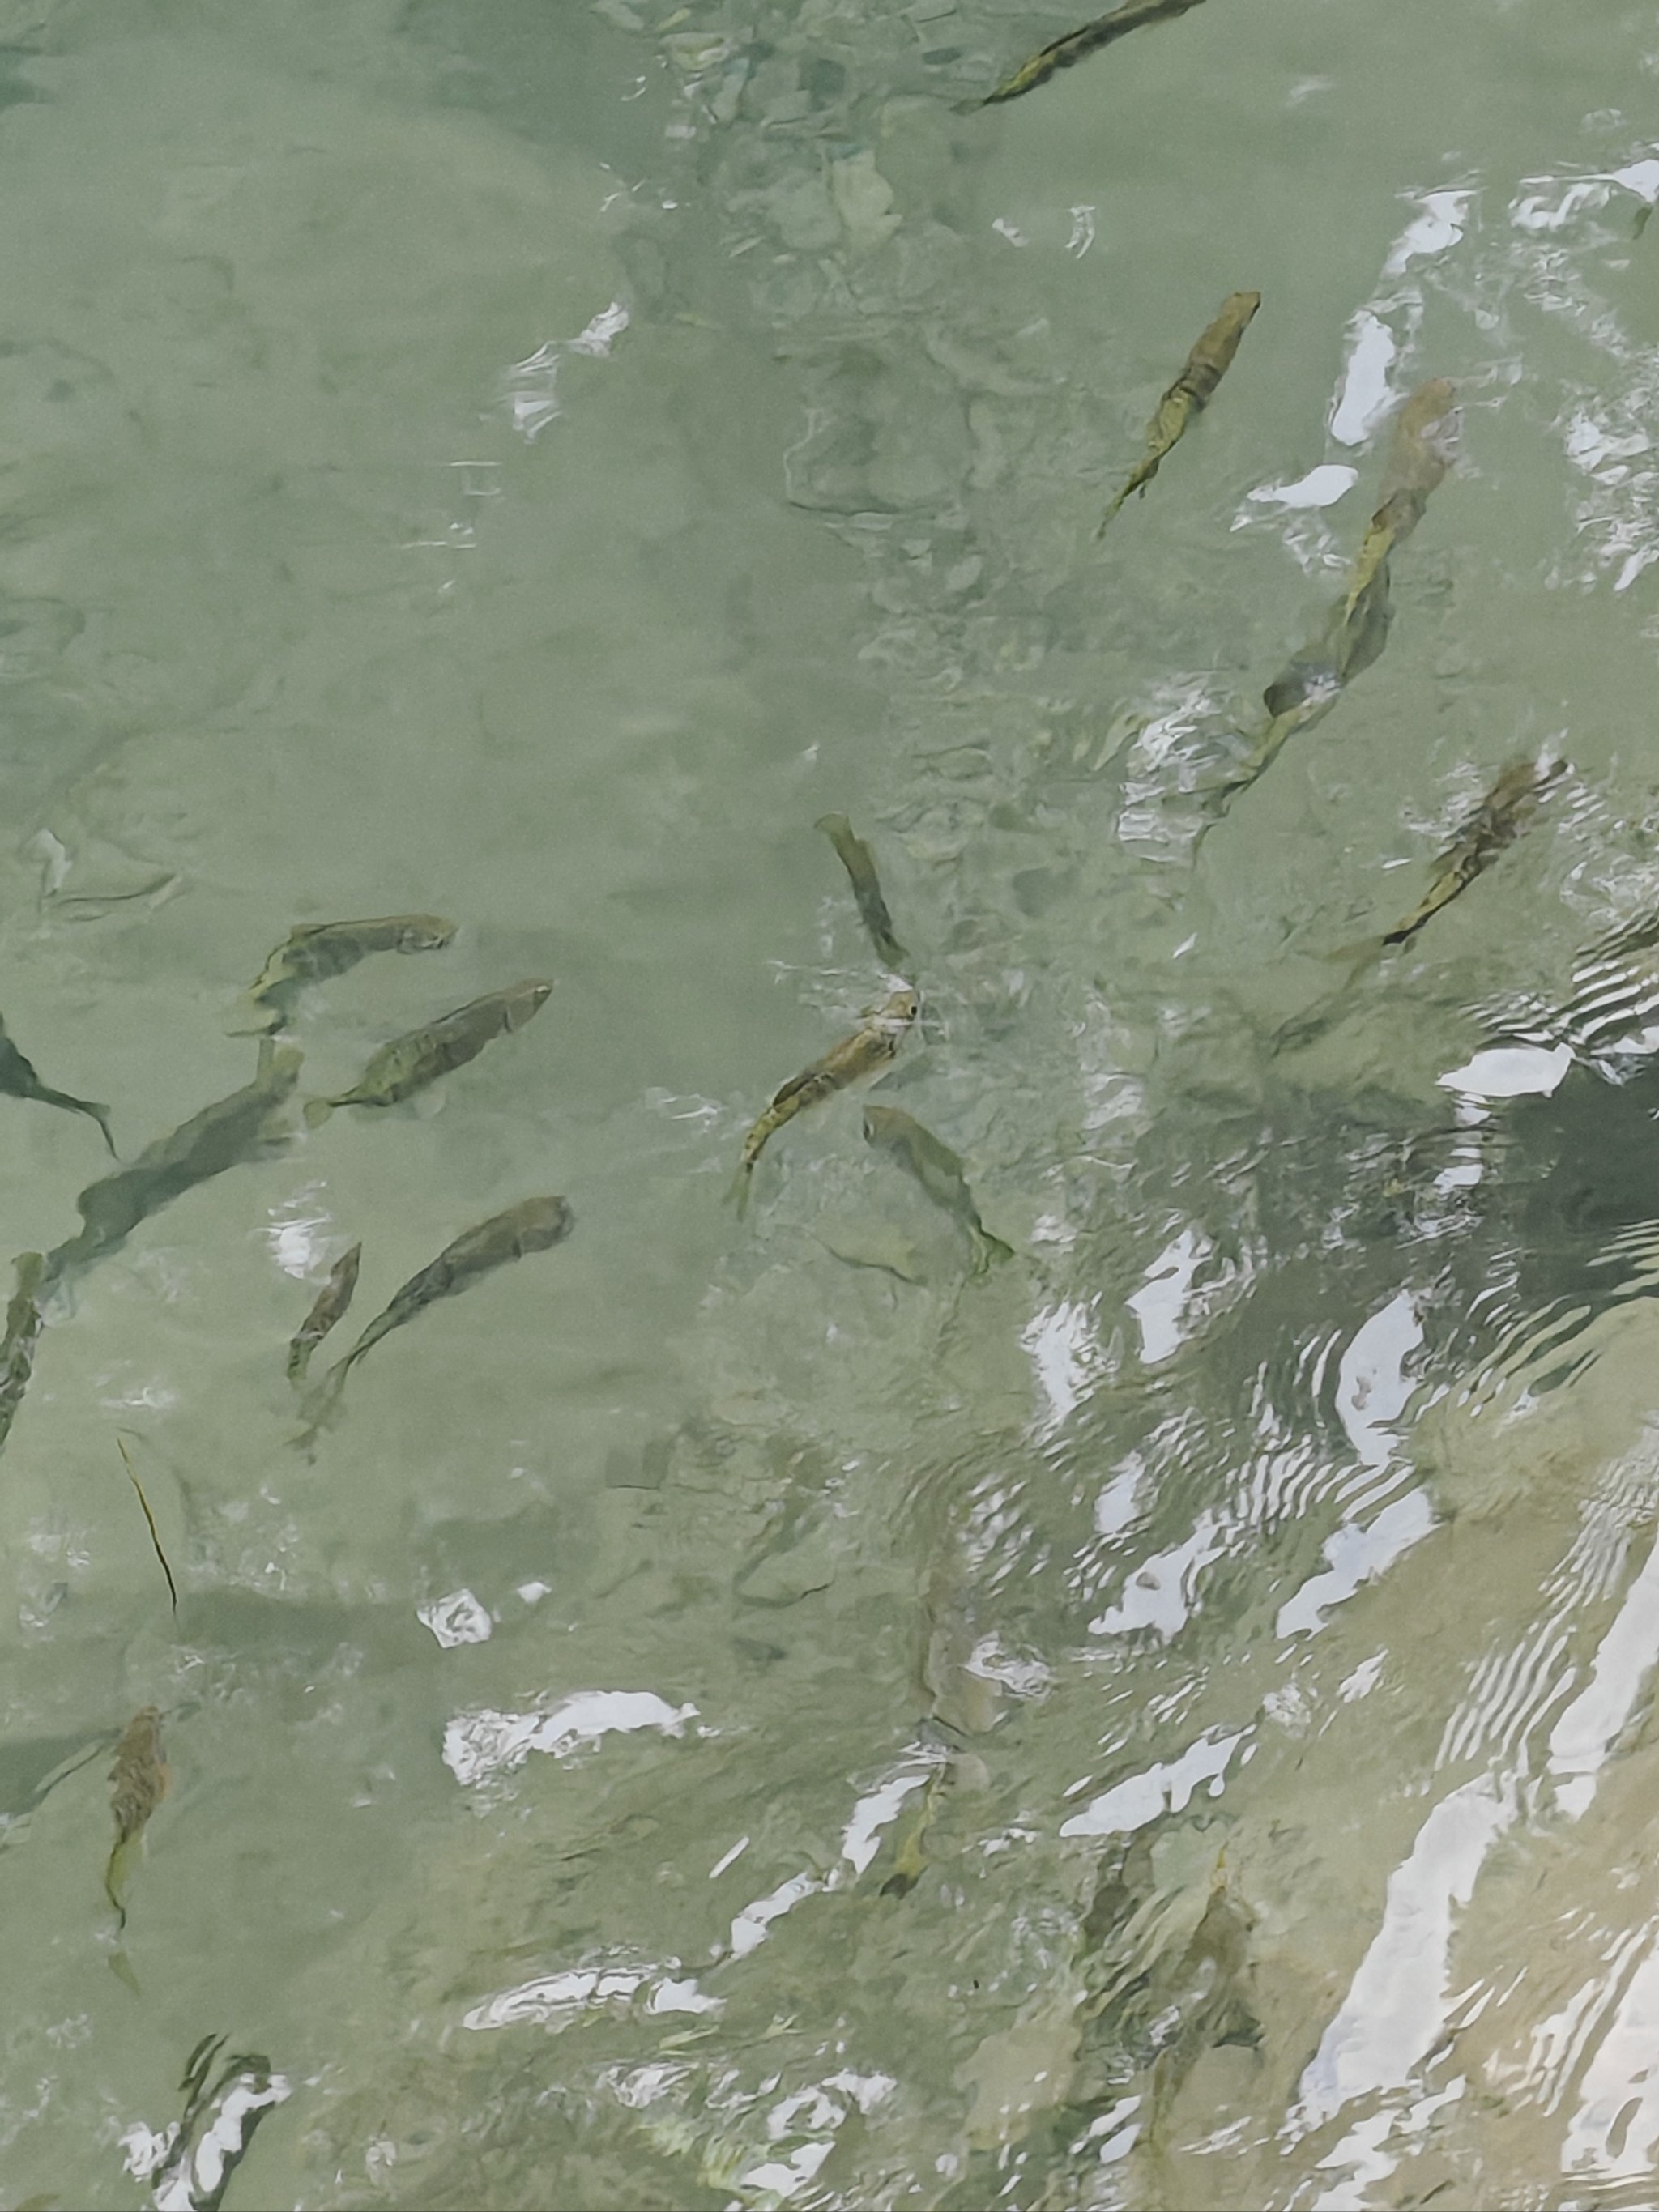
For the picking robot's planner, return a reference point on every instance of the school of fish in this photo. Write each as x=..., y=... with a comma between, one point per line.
x=260, y=1118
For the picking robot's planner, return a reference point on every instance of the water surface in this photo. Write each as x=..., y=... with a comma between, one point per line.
x=744, y=1713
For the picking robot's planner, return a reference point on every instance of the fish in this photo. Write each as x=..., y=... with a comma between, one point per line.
x=314, y=950
x=19, y=1080
x=870, y=1047
x=1354, y=637
x=1499, y=820
x=859, y=864
x=532, y=1225
x=141, y=1780
x=242, y=1127
x=23, y=1324
x=332, y=1300
x=1421, y=449
x=1424, y=442
x=411, y=1062
x=1192, y=390
x=1078, y=45
x=910, y=1857
x=939, y=1172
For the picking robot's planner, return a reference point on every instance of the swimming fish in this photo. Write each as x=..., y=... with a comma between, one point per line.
x=141, y=1780
x=910, y=1856
x=1423, y=444
x=19, y=1080
x=409, y=1063
x=1353, y=636
x=243, y=1126
x=1192, y=390
x=1421, y=449
x=939, y=1172
x=332, y=1301
x=317, y=950
x=870, y=1047
x=859, y=864
x=531, y=1226
x=1499, y=820
x=1077, y=46
x=23, y=1324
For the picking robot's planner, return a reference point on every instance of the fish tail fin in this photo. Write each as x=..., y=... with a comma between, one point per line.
x=100, y=1116
x=115, y=1874
x=1364, y=950
x=321, y=1405
x=1104, y=523
x=738, y=1191
x=1306, y=1028
x=988, y=1248
x=317, y=1111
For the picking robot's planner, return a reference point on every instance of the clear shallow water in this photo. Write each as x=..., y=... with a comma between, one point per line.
x=528, y=465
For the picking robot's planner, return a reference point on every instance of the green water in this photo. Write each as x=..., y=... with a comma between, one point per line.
x=737, y=1713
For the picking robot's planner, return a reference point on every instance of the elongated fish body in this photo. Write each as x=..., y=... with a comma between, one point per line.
x=1422, y=449
x=409, y=1063
x=140, y=1780
x=332, y=1300
x=23, y=1324
x=1424, y=444
x=317, y=950
x=870, y=1047
x=1078, y=45
x=531, y=1226
x=859, y=864
x=245, y=1126
x=1192, y=390
x=939, y=1172
x=19, y=1080
x=1499, y=820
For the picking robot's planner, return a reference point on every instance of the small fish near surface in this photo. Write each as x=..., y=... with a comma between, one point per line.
x=140, y=1779
x=1078, y=45
x=23, y=1326
x=940, y=1174
x=1501, y=815
x=332, y=1300
x=859, y=864
x=1422, y=449
x=19, y=1080
x=870, y=1047
x=246, y=1126
x=411, y=1062
x=1192, y=390
x=1499, y=819
x=532, y=1225
x=315, y=950
x=1354, y=637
